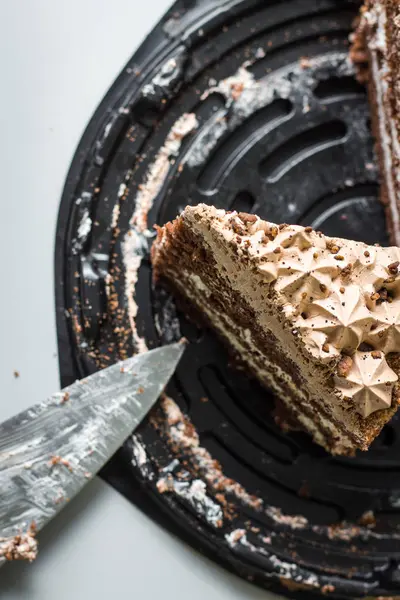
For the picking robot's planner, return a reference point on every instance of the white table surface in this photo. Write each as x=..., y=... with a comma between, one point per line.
x=57, y=59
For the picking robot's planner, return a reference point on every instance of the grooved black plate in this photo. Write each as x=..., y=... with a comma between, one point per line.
x=290, y=141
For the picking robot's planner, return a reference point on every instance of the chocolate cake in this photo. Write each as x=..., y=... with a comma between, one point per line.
x=376, y=49
x=315, y=319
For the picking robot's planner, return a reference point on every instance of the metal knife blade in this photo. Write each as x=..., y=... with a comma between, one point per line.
x=50, y=451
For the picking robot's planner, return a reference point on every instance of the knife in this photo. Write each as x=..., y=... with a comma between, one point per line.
x=49, y=452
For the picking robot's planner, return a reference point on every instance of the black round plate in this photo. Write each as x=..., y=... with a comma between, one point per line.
x=288, y=138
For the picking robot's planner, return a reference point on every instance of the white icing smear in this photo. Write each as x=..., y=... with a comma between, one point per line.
x=163, y=78
x=159, y=169
x=195, y=493
x=85, y=225
x=133, y=251
x=115, y=215
x=135, y=245
x=122, y=190
x=140, y=459
x=287, y=571
x=244, y=95
x=232, y=87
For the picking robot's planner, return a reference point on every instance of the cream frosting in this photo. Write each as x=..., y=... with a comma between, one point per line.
x=386, y=335
x=342, y=317
x=369, y=382
x=336, y=295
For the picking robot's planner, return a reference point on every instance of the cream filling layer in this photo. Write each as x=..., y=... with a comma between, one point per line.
x=233, y=333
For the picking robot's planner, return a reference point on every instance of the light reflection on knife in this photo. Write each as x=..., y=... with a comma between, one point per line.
x=50, y=451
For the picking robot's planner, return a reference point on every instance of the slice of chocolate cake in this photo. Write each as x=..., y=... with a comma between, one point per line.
x=315, y=319
x=376, y=49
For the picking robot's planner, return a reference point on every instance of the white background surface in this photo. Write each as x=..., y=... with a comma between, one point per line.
x=57, y=59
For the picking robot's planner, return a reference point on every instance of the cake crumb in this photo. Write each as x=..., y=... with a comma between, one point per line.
x=328, y=588
x=304, y=490
x=305, y=62
x=394, y=267
x=368, y=519
x=65, y=398
x=221, y=499
x=58, y=460
x=237, y=535
x=140, y=390
x=163, y=486
x=273, y=232
x=376, y=354
x=396, y=395
x=383, y=294
x=344, y=366
x=247, y=217
x=346, y=271
x=325, y=347
x=16, y=374
x=23, y=546
x=236, y=90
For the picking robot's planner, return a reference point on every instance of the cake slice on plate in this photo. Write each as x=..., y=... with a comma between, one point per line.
x=315, y=319
x=376, y=49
